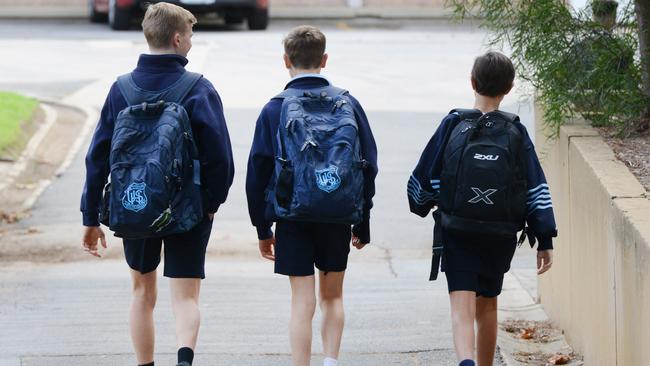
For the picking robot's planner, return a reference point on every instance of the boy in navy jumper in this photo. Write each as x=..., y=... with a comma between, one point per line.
x=475, y=264
x=168, y=30
x=298, y=246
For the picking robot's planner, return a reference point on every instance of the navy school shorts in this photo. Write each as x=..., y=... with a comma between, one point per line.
x=301, y=245
x=471, y=281
x=184, y=252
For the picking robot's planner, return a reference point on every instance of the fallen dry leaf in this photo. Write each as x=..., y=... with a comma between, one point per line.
x=511, y=329
x=559, y=359
x=527, y=333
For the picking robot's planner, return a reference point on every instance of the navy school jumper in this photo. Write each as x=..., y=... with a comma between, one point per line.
x=205, y=111
x=261, y=161
x=476, y=254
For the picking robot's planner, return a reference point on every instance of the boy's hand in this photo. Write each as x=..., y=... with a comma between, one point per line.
x=211, y=216
x=267, y=248
x=544, y=260
x=357, y=242
x=92, y=234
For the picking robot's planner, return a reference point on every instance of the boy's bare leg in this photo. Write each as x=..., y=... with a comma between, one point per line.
x=185, y=305
x=303, y=307
x=141, y=315
x=463, y=311
x=486, y=340
x=331, y=305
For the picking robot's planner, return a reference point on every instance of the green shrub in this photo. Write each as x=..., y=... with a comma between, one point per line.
x=576, y=65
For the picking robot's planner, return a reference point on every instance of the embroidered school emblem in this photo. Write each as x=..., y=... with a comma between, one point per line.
x=328, y=179
x=134, y=198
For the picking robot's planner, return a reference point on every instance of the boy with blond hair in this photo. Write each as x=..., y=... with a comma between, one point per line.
x=311, y=170
x=188, y=170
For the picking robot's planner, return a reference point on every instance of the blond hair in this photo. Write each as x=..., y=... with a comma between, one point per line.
x=305, y=46
x=163, y=20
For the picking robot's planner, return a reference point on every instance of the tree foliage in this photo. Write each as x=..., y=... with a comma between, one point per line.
x=576, y=65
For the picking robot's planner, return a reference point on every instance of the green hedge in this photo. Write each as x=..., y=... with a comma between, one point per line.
x=576, y=65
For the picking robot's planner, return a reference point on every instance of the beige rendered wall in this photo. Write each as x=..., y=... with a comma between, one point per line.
x=598, y=290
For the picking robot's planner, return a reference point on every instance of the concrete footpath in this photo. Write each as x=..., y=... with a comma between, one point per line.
x=76, y=314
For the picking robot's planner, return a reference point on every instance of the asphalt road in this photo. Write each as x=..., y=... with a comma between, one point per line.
x=407, y=76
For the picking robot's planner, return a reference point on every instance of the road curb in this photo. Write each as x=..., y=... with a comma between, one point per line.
x=91, y=118
x=51, y=116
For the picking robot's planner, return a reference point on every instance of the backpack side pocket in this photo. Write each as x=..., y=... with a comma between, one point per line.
x=284, y=186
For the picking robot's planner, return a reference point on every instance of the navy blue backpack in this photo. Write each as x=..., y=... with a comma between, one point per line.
x=154, y=187
x=319, y=170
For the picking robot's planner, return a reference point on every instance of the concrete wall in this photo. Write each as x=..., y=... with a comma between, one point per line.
x=598, y=290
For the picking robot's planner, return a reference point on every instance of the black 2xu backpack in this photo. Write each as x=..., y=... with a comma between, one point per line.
x=483, y=189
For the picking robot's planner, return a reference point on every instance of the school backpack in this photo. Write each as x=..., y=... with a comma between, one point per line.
x=319, y=168
x=483, y=180
x=154, y=187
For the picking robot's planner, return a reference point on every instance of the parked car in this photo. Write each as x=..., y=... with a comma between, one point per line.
x=120, y=13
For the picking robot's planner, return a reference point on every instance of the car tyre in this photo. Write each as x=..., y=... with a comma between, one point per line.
x=118, y=18
x=258, y=19
x=93, y=15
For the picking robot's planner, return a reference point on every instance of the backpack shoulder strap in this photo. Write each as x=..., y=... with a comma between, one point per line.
x=509, y=117
x=466, y=113
x=181, y=88
x=128, y=88
x=292, y=92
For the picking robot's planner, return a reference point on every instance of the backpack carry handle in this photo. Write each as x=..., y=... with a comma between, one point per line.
x=328, y=90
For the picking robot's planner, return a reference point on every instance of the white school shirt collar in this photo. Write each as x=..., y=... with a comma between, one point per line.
x=300, y=76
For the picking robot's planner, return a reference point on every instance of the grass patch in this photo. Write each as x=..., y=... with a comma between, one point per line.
x=16, y=113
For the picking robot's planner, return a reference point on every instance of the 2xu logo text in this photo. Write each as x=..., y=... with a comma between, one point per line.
x=486, y=157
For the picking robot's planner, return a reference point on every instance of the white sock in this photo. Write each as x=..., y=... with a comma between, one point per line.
x=330, y=362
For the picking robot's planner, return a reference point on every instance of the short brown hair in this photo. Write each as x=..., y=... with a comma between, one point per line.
x=305, y=46
x=162, y=21
x=493, y=74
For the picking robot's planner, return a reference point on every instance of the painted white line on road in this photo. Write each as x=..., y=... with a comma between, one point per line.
x=31, y=200
x=33, y=144
x=91, y=118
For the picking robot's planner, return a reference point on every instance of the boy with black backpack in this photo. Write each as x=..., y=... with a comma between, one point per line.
x=311, y=170
x=162, y=140
x=481, y=171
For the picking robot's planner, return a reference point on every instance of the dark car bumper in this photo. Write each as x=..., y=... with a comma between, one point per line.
x=212, y=6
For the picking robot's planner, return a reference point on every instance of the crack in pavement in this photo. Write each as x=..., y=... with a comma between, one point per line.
x=388, y=256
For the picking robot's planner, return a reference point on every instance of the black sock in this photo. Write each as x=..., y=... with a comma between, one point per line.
x=147, y=364
x=185, y=354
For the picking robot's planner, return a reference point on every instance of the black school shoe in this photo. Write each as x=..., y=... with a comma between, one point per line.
x=184, y=363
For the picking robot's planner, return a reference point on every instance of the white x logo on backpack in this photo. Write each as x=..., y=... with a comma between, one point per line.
x=482, y=196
